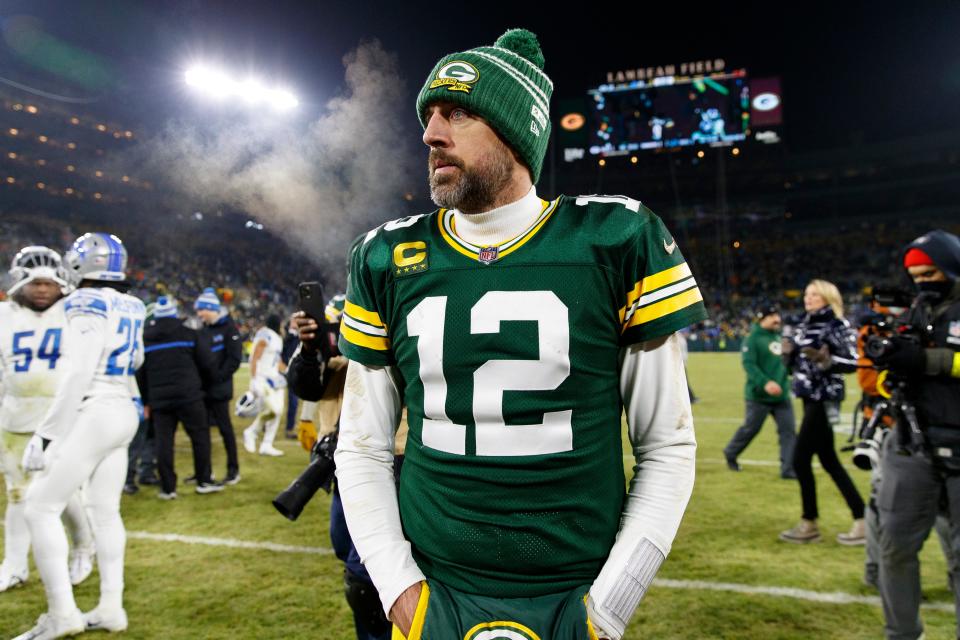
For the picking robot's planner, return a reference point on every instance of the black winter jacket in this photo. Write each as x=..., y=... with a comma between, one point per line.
x=936, y=395
x=226, y=354
x=176, y=362
x=816, y=329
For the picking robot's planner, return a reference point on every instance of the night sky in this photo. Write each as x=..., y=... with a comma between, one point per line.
x=862, y=73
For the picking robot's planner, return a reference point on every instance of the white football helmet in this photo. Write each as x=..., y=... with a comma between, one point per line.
x=248, y=405
x=36, y=263
x=96, y=256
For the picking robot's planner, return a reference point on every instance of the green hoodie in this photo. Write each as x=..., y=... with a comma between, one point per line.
x=762, y=362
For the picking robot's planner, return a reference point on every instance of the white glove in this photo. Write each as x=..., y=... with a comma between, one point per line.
x=258, y=386
x=34, y=458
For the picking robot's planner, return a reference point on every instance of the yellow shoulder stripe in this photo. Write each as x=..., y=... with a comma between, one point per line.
x=955, y=369
x=657, y=280
x=359, y=313
x=363, y=340
x=665, y=307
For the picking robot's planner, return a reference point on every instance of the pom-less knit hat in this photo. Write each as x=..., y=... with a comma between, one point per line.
x=207, y=300
x=506, y=85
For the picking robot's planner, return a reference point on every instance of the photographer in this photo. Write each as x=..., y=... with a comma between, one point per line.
x=886, y=305
x=925, y=355
x=317, y=373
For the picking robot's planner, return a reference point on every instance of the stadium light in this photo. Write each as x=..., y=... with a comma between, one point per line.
x=218, y=85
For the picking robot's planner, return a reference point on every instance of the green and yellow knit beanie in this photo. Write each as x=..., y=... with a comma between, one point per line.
x=506, y=85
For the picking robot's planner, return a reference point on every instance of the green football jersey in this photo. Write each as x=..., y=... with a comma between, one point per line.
x=513, y=483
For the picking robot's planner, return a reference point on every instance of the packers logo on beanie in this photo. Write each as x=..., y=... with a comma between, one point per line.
x=505, y=84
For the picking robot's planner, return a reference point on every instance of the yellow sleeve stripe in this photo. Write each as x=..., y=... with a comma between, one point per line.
x=363, y=340
x=665, y=307
x=361, y=314
x=955, y=370
x=657, y=280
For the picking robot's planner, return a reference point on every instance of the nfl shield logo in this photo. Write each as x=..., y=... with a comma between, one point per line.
x=954, y=329
x=488, y=254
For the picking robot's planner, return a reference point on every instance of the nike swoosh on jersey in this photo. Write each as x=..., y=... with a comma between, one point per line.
x=669, y=248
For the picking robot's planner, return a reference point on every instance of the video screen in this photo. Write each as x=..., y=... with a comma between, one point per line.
x=667, y=112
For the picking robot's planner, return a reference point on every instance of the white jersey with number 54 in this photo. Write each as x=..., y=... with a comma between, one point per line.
x=31, y=343
x=104, y=349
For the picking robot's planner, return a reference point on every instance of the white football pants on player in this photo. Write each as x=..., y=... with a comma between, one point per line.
x=268, y=420
x=16, y=544
x=94, y=451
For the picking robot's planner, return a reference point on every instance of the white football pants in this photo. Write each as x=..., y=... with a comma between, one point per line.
x=94, y=451
x=16, y=535
x=268, y=420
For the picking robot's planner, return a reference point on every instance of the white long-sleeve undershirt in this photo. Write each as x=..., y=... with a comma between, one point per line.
x=660, y=423
x=501, y=224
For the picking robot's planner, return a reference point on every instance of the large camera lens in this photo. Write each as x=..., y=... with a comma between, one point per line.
x=877, y=346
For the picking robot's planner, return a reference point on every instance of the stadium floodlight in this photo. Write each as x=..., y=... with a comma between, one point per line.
x=218, y=85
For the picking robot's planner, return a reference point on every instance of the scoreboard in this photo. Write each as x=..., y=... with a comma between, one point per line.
x=651, y=111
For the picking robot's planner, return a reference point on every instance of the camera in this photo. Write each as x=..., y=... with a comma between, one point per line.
x=888, y=321
x=866, y=452
x=318, y=474
x=886, y=324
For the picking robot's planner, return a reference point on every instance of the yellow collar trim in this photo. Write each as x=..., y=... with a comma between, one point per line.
x=445, y=221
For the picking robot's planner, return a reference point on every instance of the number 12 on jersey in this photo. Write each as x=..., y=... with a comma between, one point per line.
x=493, y=436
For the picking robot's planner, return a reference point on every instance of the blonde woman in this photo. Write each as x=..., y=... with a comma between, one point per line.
x=821, y=348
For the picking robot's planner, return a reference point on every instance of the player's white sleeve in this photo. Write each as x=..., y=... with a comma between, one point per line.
x=660, y=423
x=86, y=338
x=368, y=421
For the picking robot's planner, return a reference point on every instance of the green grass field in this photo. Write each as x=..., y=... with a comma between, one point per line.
x=176, y=589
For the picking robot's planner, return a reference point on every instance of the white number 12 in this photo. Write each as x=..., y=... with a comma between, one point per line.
x=494, y=437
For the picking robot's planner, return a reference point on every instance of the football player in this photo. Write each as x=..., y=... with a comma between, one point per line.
x=83, y=436
x=516, y=330
x=31, y=343
x=267, y=384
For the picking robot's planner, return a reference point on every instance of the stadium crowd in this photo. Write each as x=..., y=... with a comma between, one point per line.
x=184, y=266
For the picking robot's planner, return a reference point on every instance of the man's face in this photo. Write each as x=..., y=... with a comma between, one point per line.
x=469, y=164
x=208, y=316
x=771, y=322
x=40, y=293
x=926, y=273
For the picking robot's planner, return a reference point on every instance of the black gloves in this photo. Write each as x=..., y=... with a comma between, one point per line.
x=905, y=357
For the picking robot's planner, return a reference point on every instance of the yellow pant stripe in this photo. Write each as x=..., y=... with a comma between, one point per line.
x=416, y=627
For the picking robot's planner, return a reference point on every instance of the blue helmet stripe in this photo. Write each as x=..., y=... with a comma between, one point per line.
x=114, y=264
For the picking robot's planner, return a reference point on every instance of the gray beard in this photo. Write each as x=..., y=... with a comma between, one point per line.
x=474, y=190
